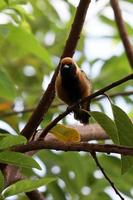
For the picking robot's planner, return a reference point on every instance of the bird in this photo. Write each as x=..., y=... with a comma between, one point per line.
x=71, y=86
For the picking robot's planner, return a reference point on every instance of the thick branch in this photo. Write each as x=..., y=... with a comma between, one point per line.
x=91, y=132
x=46, y=100
x=105, y=175
x=49, y=95
x=76, y=28
x=83, y=146
x=122, y=31
x=70, y=109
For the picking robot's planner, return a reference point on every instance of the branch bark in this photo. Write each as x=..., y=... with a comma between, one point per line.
x=76, y=29
x=82, y=146
x=91, y=132
x=122, y=31
x=44, y=104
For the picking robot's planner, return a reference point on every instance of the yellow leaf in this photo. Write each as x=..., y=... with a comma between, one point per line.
x=65, y=133
x=5, y=106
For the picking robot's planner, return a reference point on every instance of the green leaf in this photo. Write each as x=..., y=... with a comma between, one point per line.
x=26, y=186
x=124, y=126
x=65, y=134
x=2, y=135
x=112, y=23
x=17, y=1
x=2, y=4
x=107, y=124
x=11, y=140
x=125, y=134
x=27, y=41
x=110, y=72
x=1, y=181
x=18, y=159
x=7, y=87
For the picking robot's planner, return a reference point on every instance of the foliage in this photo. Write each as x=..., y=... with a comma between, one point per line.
x=25, y=186
x=32, y=37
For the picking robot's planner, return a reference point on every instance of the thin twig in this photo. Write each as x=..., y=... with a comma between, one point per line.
x=44, y=104
x=26, y=110
x=113, y=95
x=11, y=113
x=105, y=175
x=122, y=31
x=82, y=146
x=87, y=133
x=70, y=109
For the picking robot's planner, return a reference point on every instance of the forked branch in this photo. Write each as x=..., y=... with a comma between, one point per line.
x=46, y=100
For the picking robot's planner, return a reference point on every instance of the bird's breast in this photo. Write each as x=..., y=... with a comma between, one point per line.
x=71, y=87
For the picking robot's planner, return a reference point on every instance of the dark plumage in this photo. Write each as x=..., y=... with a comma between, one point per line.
x=73, y=85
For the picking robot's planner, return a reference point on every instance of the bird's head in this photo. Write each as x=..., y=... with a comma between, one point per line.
x=68, y=67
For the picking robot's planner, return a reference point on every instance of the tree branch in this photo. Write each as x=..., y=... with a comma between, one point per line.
x=91, y=132
x=122, y=31
x=49, y=95
x=77, y=26
x=88, y=98
x=82, y=146
x=113, y=95
x=105, y=175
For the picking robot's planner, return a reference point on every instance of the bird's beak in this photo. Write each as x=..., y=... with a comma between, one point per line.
x=66, y=66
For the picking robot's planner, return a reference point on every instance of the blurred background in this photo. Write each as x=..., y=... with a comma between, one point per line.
x=32, y=38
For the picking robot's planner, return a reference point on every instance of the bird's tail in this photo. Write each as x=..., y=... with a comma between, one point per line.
x=82, y=116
